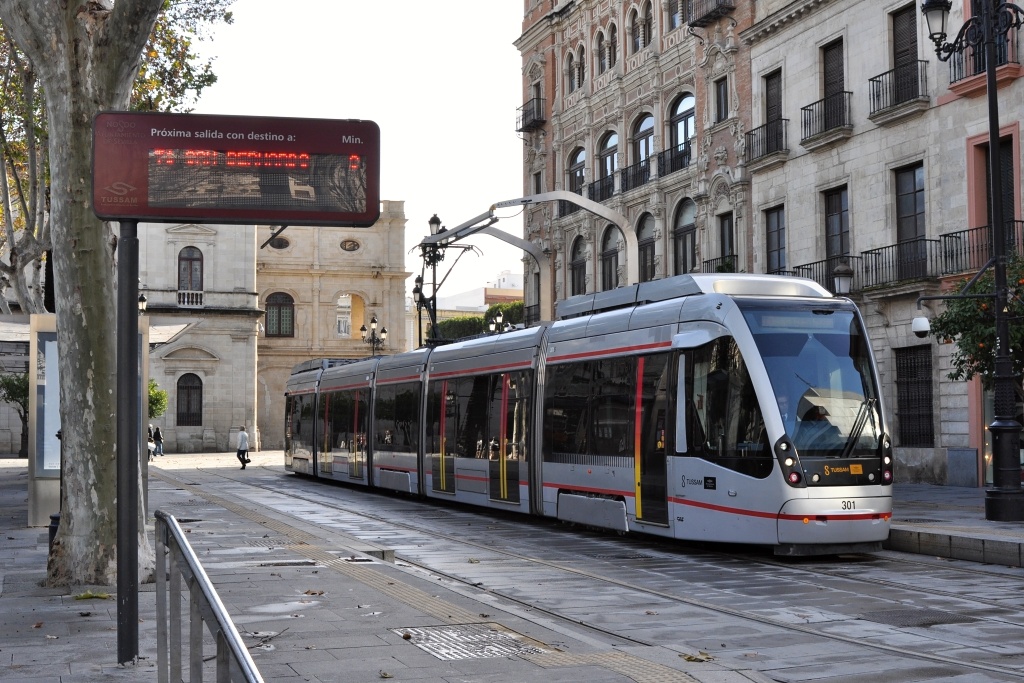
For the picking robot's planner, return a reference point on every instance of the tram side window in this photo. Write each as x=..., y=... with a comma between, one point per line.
x=723, y=418
x=302, y=425
x=472, y=419
x=346, y=415
x=396, y=417
x=588, y=409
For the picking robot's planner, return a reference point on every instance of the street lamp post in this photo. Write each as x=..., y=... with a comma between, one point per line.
x=1005, y=500
x=375, y=340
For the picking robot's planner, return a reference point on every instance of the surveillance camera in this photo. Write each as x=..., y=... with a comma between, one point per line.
x=921, y=327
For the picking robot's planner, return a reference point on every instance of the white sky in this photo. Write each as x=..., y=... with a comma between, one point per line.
x=442, y=80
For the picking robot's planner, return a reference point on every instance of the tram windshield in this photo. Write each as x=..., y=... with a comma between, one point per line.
x=819, y=363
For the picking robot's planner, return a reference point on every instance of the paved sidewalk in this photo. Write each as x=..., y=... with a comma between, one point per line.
x=49, y=635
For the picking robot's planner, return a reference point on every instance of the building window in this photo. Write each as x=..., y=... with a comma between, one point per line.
x=636, y=32
x=645, y=247
x=578, y=268
x=190, y=270
x=280, y=315
x=190, y=401
x=910, y=203
x=725, y=235
x=721, y=100
x=837, y=223
x=279, y=243
x=613, y=46
x=643, y=139
x=581, y=67
x=914, y=396
x=684, y=238
x=577, y=164
x=610, y=246
x=675, y=14
x=570, y=72
x=602, y=54
x=608, y=156
x=648, y=24
x=343, y=316
x=775, y=239
x=835, y=84
x=538, y=183
x=682, y=125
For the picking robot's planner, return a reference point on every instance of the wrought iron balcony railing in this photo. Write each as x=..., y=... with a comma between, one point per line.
x=767, y=139
x=531, y=115
x=702, y=12
x=823, y=272
x=903, y=84
x=966, y=251
x=602, y=189
x=971, y=60
x=722, y=264
x=674, y=159
x=636, y=175
x=826, y=114
x=909, y=260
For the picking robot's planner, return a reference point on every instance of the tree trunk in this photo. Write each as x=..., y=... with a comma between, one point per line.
x=86, y=55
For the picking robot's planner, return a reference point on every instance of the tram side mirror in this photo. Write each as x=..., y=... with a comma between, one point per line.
x=921, y=327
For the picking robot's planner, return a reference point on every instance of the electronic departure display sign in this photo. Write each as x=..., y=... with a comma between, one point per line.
x=235, y=169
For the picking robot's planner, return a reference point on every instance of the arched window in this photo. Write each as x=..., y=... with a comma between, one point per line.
x=645, y=244
x=602, y=56
x=190, y=270
x=643, y=139
x=648, y=24
x=681, y=125
x=581, y=67
x=578, y=268
x=613, y=46
x=684, y=238
x=636, y=32
x=190, y=401
x=675, y=14
x=610, y=245
x=343, y=316
x=577, y=164
x=608, y=155
x=570, y=72
x=280, y=315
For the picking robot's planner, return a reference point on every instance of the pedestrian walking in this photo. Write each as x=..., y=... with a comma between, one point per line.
x=158, y=441
x=243, y=446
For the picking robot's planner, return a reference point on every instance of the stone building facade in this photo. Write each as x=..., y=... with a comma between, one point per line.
x=777, y=137
x=319, y=286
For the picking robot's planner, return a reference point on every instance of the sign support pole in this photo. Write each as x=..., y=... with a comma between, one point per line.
x=128, y=443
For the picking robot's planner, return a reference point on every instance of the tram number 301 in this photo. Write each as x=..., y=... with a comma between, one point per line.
x=849, y=505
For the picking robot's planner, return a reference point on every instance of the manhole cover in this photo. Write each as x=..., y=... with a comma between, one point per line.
x=469, y=641
x=915, y=617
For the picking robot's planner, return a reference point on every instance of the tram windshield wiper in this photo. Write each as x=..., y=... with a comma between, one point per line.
x=858, y=426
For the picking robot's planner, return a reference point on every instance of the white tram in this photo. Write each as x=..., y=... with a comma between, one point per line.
x=731, y=408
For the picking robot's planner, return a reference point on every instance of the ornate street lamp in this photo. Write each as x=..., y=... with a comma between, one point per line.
x=1005, y=500
x=375, y=340
x=843, y=278
x=495, y=324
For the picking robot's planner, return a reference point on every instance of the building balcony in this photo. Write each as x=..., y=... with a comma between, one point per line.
x=700, y=13
x=826, y=121
x=674, y=159
x=530, y=116
x=823, y=272
x=767, y=145
x=899, y=93
x=902, y=262
x=602, y=190
x=567, y=208
x=531, y=315
x=636, y=175
x=970, y=61
x=967, y=251
x=190, y=299
x=722, y=264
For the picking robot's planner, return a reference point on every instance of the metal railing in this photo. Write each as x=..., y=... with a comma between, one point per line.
x=602, y=189
x=722, y=264
x=531, y=314
x=900, y=262
x=971, y=60
x=674, y=159
x=702, y=12
x=903, y=84
x=823, y=272
x=826, y=114
x=175, y=561
x=767, y=139
x=636, y=175
x=965, y=251
x=531, y=115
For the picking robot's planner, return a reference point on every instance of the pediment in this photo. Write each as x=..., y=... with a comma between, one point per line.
x=191, y=353
x=192, y=229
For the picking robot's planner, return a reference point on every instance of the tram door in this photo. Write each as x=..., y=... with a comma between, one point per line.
x=507, y=435
x=651, y=424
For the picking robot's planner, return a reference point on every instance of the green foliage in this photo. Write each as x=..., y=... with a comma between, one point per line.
x=970, y=323
x=461, y=326
x=14, y=390
x=157, y=400
x=512, y=312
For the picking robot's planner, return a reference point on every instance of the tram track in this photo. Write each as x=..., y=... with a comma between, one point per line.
x=607, y=573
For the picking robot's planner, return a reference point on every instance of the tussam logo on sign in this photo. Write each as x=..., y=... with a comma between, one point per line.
x=120, y=191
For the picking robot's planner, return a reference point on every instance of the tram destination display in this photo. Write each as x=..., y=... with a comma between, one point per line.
x=235, y=169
